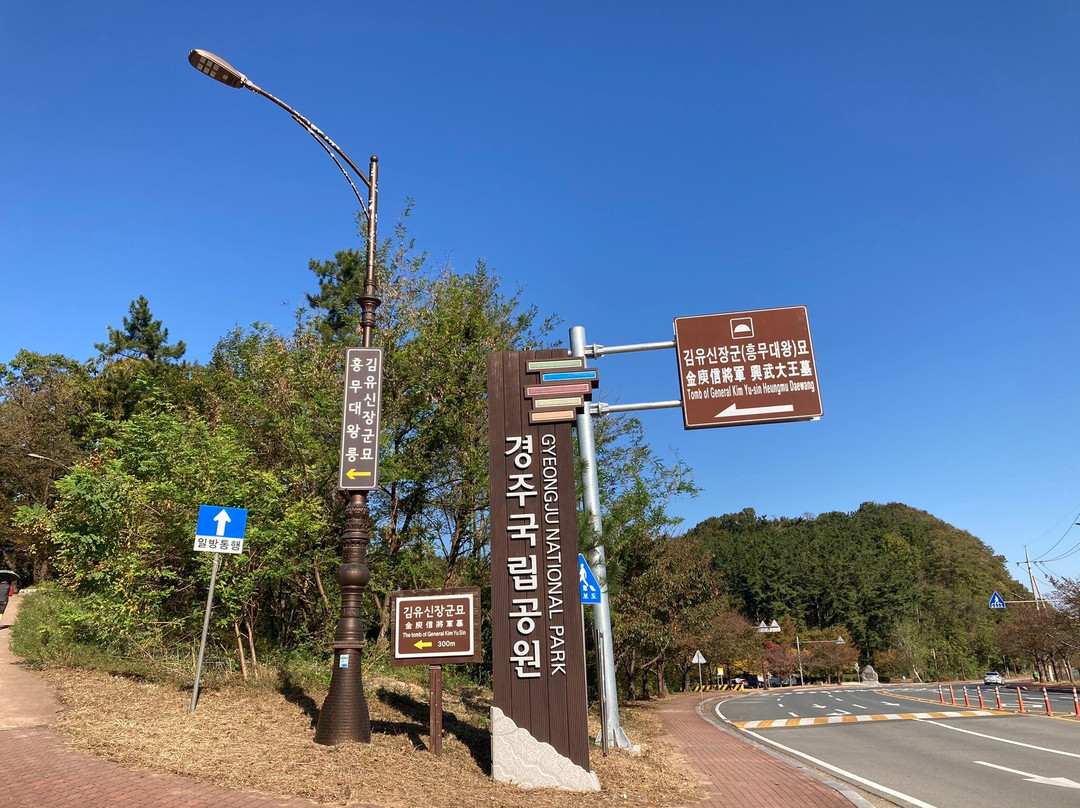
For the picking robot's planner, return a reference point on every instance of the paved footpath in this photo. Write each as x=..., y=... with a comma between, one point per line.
x=37, y=769
x=735, y=773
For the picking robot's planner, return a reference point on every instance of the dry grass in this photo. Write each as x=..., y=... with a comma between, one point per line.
x=261, y=739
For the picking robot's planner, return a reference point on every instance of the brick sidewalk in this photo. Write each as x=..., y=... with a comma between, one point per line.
x=39, y=772
x=734, y=773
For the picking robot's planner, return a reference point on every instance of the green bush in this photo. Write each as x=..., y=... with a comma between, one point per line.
x=52, y=627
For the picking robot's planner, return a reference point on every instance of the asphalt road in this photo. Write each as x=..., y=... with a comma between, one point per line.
x=901, y=743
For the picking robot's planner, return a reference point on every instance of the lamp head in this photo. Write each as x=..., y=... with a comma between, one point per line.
x=217, y=68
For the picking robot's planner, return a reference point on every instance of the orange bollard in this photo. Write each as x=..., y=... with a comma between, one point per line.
x=1020, y=699
x=967, y=701
x=997, y=693
x=981, y=705
x=941, y=694
x=1076, y=703
x=952, y=696
x=1046, y=701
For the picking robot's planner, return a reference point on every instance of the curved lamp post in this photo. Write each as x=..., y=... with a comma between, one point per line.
x=344, y=714
x=798, y=649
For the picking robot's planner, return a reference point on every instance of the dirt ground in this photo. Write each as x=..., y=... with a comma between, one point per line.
x=260, y=738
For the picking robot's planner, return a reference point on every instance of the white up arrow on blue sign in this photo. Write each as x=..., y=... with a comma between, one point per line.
x=996, y=602
x=590, y=587
x=220, y=530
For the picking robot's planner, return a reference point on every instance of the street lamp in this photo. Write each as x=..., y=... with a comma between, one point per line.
x=344, y=715
x=798, y=650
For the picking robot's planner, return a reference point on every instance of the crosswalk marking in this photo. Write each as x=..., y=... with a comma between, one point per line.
x=853, y=719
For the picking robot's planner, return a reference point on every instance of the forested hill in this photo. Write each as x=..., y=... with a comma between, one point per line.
x=904, y=583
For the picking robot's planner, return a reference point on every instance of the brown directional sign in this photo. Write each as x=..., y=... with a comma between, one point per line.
x=747, y=367
x=436, y=626
x=359, y=469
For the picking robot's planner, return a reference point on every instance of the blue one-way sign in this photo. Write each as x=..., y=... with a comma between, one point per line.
x=590, y=587
x=996, y=602
x=220, y=530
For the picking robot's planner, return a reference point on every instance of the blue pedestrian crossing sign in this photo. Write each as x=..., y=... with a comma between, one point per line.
x=220, y=530
x=590, y=587
x=996, y=602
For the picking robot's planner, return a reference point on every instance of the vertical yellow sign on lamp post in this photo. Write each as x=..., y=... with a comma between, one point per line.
x=359, y=466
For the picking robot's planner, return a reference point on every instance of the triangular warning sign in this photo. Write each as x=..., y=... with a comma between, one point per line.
x=996, y=602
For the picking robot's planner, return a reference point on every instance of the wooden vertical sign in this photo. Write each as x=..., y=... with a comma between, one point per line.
x=538, y=654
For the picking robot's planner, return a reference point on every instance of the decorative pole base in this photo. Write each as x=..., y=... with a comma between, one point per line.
x=344, y=714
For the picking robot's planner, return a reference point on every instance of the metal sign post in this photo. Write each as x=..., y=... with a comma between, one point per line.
x=611, y=732
x=218, y=530
x=205, y=628
x=699, y=659
x=759, y=364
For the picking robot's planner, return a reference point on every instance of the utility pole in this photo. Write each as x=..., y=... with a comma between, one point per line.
x=1031, y=576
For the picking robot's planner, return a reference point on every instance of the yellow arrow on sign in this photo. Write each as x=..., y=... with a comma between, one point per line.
x=352, y=474
x=422, y=645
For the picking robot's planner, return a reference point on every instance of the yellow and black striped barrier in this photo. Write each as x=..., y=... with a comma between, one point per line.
x=710, y=688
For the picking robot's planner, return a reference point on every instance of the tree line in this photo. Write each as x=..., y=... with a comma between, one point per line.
x=104, y=461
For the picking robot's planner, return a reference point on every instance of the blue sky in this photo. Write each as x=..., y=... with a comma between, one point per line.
x=909, y=172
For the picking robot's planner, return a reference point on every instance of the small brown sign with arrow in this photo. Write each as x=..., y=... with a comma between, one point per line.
x=436, y=626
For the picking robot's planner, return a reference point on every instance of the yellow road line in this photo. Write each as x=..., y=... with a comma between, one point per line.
x=858, y=719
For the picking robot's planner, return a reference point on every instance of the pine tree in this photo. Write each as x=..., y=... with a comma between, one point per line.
x=141, y=338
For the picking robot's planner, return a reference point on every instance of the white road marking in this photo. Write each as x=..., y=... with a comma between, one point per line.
x=1002, y=740
x=892, y=703
x=1033, y=778
x=858, y=706
x=845, y=774
x=793, y=715
x=819, y=706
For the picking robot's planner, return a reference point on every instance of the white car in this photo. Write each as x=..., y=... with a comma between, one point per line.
x=993, y=678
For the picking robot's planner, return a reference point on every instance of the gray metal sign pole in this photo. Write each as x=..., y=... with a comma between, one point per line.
x=612, y=731
x=205, y=627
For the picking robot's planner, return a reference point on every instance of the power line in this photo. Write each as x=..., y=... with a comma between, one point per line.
x=1071, y=552
x=1072, y=524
